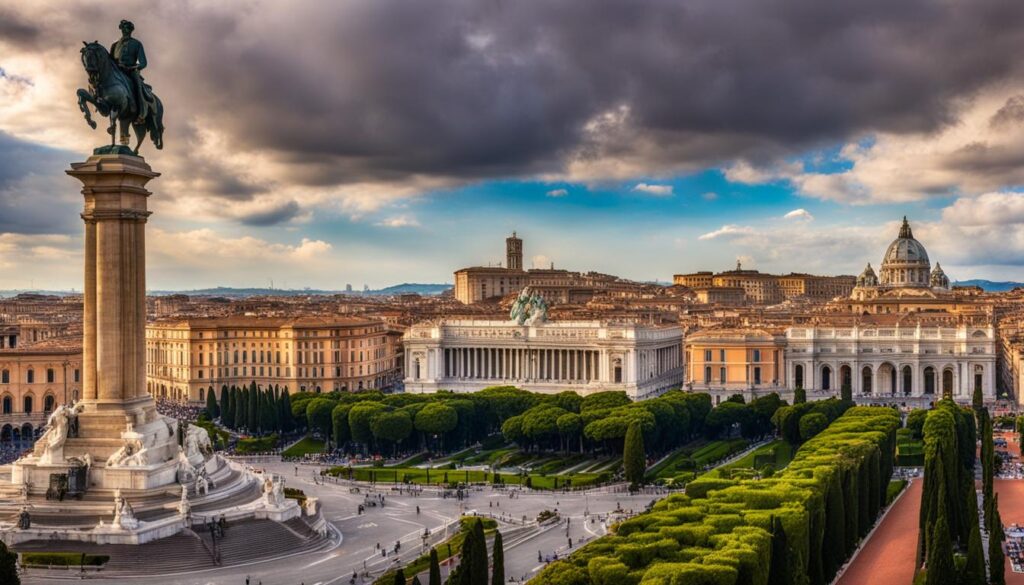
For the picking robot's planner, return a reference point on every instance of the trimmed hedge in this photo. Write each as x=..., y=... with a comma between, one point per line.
x=63, y=559
x=719, y=531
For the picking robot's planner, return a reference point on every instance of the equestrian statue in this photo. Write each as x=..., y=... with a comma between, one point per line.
x=117, y=91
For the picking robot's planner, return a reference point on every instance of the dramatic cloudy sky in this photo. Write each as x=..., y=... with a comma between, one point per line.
x=385, y=141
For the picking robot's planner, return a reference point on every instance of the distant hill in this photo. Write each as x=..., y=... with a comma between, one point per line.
x=231, y=292
x=989, y=285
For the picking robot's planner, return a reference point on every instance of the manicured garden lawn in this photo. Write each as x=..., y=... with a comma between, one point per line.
x=909, y=451
x=445, y=550
x=306, y=446
x=690, y=459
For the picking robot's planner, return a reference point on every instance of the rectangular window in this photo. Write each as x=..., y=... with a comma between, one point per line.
x=757, y=355
x=200, y=374
x=721, y=355
x=78, y=374
x=707, y=355
x=757, y=375
x=707, y=375
x=721, y=374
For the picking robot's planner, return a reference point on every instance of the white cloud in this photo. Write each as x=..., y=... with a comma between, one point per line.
x=709, y=196
x=728, y=231
x=540, y=261
x=654, y=189
x=557, y=193
x=799, y=214
x=399, y=221
x=989, y=209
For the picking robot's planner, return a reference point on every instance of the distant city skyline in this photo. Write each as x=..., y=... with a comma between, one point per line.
x=683, y=142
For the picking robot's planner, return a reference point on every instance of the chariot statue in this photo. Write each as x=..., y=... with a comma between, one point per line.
x=117, y=91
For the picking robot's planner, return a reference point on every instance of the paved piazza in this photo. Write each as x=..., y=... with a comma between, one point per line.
x=398, y=520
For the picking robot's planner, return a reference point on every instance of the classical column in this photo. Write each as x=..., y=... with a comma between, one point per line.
x=115, y=212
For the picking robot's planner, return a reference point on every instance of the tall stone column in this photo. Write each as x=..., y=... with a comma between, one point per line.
x=115, y=213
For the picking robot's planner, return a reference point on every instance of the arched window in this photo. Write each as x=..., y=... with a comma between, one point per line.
x=947, y=382
x=929, y=380
x=798, y=376
x=908, y=379
x=865, y=380
x=48, y=403
x=8, y=405
x=826, y=378
x=202, y=394
x=27, y=405
x=30, y=376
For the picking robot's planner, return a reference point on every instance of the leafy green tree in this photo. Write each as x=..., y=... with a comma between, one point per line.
x=811, y=425
x=8, y=566
x=498, y=556
x=634, y=459
x=977, y=399
x=318, y=413
x=339, y=420
x=799, y=395
x=393, y=427
x=570, y=427
x=359, y=418
x=435, y=569
x=268, y=413
x=400, y=577
x=723, y=417
x=436, y=419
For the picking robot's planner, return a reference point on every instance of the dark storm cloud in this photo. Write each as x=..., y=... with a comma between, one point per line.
x=280, y=213
x=18, y=30
x=35, y=194
x=385, y=90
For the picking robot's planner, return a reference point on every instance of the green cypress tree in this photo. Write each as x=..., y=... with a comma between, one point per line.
x=974, y=569
x=415, y=580
x=478, y=561
x=224, y=413
x=940, y=556
x=464, y=575
x=996, y=557
x=498, y=557
x=8, y=566
x=236, y=414
x=253, y=409
x=634, y=460
x=435, y=567
x=212, y=412
x=778, y=571
x=242, y=413
x=287, y=421
x=400, y=577
x=977, y=400
x=799, y=395
x=835, y=526
x=846, y=393
x=267, y=417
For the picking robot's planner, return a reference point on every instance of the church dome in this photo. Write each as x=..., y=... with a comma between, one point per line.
x=906, y=263
x=938, y=278
x=868, y=277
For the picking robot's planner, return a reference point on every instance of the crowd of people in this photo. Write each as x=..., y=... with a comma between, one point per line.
x=11, y=450
x=1015, y=547
x=178, y=410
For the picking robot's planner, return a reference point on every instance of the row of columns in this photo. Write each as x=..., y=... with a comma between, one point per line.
x=570, y=365
x=882, y=375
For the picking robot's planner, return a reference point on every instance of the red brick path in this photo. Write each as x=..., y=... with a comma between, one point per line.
x=888, y=557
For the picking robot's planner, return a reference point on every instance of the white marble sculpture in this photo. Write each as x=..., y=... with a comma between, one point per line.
x=273, y=492
x=202, y=485
x=133, y=453
x=197, y=442
x=124, y=515
x=50, y=447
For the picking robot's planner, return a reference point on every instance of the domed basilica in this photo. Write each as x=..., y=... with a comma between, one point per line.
x=906, y=271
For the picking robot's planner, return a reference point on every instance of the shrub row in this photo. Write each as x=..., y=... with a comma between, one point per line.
x=796, y=527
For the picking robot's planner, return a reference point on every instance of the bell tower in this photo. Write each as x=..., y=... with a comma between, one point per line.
x=514, y=252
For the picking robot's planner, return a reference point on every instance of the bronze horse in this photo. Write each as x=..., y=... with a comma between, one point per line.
x=110, y=92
